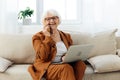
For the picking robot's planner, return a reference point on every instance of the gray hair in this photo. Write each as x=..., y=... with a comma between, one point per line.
x=54, y=12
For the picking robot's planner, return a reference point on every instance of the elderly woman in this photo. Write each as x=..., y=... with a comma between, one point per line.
x=50, y=46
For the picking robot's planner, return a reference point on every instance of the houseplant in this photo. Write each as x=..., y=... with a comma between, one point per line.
x=25, y=15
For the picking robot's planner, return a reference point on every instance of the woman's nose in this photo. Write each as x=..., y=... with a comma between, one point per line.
x=51, y=20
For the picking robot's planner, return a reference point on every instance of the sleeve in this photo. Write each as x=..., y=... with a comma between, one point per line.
x=70, y=41
x=68, y=38
x=42, y=46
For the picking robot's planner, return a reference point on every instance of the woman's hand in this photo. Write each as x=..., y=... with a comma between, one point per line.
x=54, y=35
x=63, y=57
x=46, y=30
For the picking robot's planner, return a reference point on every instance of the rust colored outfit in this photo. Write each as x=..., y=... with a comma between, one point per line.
x=45, y=49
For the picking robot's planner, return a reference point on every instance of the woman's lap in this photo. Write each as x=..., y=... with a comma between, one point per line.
x=55, y=71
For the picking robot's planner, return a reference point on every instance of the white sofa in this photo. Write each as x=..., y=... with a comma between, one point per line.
x=18, y=49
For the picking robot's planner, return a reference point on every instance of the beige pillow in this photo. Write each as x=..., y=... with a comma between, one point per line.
x=80, y=38
x=104, y=43
x=17, y=47
x=4, y=64
x=105, y=63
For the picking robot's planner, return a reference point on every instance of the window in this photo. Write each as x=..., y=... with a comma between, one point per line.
x=22, y=4
x=70, y=10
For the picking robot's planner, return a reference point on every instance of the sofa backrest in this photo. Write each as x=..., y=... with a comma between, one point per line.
x=80, y=38
x=84, y=38
x=118, y=42
x=19, y=49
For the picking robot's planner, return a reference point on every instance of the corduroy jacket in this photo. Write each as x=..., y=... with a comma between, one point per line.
x=45, y=49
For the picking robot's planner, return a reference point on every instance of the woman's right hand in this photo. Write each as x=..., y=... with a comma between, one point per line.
x=46, y=30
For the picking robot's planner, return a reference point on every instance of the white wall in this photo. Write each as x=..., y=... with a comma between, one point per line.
x=97, y=15
x=8, y=16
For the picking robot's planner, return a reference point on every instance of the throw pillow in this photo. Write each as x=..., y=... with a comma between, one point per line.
x=105, y=63
x=104, y=43
x=118, y=52
x=4, y=64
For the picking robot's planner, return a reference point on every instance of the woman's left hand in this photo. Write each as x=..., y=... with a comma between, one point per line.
x=63, y=57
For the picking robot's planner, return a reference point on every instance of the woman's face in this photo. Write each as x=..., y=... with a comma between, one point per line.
x=51, y=20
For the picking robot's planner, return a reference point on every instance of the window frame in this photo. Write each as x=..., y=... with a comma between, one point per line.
x=39, y=11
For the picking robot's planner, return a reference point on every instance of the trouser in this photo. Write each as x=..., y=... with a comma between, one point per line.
x=72, y=71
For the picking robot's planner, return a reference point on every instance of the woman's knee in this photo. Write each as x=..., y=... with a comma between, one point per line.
x=82, y=64
x=67, y=67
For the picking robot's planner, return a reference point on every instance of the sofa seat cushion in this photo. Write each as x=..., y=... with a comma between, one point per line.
x=16, y=72
x=19, y=72
x=89, y=70
x=90, y=75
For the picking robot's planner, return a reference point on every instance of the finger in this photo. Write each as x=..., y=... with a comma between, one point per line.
x=48, y=29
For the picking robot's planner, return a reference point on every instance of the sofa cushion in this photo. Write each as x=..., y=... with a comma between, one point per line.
x=104, y=43
x=105, y=63
x=4, y=64
x=16, y=72
x=17, y=48
x=80, y=37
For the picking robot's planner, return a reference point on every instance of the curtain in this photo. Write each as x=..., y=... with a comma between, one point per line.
x=8, y=16
x=99, y=15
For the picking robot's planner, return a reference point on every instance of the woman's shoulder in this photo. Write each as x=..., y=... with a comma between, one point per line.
x=38, y=34
x=63, y=32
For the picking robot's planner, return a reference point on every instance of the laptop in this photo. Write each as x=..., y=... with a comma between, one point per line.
x=77, y=52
